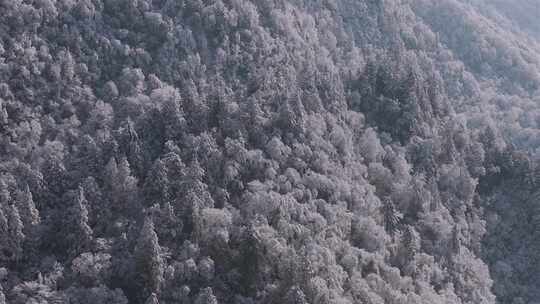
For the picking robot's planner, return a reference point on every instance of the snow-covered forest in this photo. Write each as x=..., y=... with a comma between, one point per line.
x=269, y=151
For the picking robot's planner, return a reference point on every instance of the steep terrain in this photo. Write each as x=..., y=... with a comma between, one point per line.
x=524, y=15
x=269, y=151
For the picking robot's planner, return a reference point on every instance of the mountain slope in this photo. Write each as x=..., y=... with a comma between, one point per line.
x=273, y=151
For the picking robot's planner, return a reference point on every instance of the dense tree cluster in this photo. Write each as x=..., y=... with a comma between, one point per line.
x=269, y=151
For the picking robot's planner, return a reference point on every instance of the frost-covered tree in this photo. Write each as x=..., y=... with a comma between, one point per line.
x=152, y=299
x=27, y=207
x=269, y=151
x=79, y=234
x=391, y=217
x=148, y=261
x=206, y=296
x=2, y=296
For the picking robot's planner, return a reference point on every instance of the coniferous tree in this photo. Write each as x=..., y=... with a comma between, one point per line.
x=409, y=248
x=80, y=235
x=110, y=171
x=152, y=299
x=5, y=196
x=391, y=217
x=156, y=187
x=411, y=241
x=148, y=262
x=126, y=186
x=173, y=116
x=27, y=208
x=288, y=193
x=2, y=296
x=121, y=186
x=3, y=115
x=456, y=241
x=296, y=296
x=175, y=171
x=31, y=222
x=4, y=236
x=15, y=233
x=130, y=145
x=206, y=296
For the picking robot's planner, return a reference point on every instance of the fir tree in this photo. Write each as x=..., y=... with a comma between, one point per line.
x=456, y=241
x=391, y=217
x=148, y=262
x=27, y=208
x=15, y=233
x=206, y=296
x=152, y=299
x=5, y=251
x=411, y=243
x=5, y=196
x=80, y=234
x=2, y=296
x=130, y=144
x=296, y=296
x=156, y=187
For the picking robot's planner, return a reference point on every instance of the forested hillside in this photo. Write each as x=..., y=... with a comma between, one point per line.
x=269, y=151
x=524, y=15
